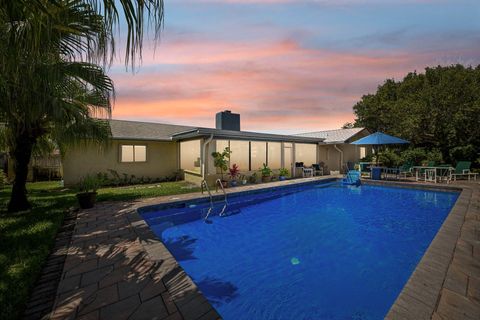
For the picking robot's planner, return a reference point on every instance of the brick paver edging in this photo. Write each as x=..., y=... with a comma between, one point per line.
x=446, y=282
x=42, y=296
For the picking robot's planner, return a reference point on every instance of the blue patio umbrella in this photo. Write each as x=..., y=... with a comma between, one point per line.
x=379, y=138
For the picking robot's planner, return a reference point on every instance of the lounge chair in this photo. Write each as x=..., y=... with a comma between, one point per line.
x=462, y=169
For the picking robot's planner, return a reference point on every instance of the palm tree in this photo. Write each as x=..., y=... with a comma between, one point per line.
x=48, y=79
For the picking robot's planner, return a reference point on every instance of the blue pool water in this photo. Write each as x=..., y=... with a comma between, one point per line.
x=310, y=252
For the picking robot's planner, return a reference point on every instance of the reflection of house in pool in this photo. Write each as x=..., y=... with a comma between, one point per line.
x=157, y=151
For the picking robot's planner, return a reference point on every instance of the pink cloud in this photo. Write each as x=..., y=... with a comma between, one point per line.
x=274, y=85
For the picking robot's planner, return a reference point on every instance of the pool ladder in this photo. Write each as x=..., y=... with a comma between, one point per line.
x=218, y=182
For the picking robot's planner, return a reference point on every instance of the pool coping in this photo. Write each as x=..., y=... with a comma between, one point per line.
x=418, y=299
x=422, y=294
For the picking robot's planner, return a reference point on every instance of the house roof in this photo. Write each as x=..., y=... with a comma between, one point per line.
x=334, y=136
x=135, y=130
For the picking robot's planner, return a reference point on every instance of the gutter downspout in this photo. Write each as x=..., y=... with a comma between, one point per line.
x=204, y=147
x=341, y=156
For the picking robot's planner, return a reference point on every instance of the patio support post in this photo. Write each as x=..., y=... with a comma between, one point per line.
x=341, y=156
x=204, y=157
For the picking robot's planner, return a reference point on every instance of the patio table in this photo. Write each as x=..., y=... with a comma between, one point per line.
x=432, y=173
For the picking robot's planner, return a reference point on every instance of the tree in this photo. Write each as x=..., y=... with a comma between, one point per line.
x=348, y=125
x=438, y=109
x=49, y=82
x=220, y=160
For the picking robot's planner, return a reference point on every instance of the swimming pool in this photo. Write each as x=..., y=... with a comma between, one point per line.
x=316, y=251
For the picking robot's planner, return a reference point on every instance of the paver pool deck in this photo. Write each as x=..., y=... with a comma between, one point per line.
x=116, y=268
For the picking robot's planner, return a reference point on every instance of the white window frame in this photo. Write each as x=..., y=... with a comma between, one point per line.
x=134, y=146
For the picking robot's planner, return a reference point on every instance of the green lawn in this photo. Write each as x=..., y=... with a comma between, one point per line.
x=26, y=238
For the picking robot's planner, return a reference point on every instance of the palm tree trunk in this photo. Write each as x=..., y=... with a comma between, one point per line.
x=21, y=155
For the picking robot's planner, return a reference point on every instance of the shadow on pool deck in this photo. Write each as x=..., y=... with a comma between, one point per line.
x=109, y=275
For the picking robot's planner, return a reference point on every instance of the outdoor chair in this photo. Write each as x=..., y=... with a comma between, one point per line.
x=364, y=168
x=462, y=169
x=308, y=172
x=443, y=171
x=405, y=169
x=429, y=164
x=317, y=169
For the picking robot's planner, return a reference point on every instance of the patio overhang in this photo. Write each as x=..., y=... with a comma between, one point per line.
x=242, y=135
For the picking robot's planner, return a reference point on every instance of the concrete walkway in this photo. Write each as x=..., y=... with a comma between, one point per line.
x=116, y=268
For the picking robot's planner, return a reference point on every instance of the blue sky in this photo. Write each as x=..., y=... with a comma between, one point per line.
x=289, y=65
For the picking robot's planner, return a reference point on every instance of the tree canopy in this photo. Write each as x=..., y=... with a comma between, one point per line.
x=437, y=109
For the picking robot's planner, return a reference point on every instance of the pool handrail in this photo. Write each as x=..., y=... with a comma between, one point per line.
x=205, y=184
x=218, y=182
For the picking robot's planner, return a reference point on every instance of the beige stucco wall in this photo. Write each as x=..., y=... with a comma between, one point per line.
x=162, y=160
x=331, y=157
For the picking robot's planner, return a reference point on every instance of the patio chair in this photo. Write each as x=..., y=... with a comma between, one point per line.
x=298, y=169
x=308, y=172
x=405, y=169
x=364, y=168
x=462, y=169
x=317, y=169
x=443, y=171
x=429, y=164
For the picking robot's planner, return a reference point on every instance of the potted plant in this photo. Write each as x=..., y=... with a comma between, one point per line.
x=266, y=173
x=282, y=174
x=243, y=179
x=253, y=178
x=87, y=194
x=233, y=172
x=220, y=161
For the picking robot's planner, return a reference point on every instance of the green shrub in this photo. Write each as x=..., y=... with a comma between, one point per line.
x=266, y=171
x=464, y=153
x=89, y=183
x=389, y=158
x=283, y=172
x=434, y=155
x=413, y=156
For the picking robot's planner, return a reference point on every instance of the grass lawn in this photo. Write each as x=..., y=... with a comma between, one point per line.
x=26, y=238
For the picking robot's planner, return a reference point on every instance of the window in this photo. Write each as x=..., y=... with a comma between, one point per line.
x=258, y=154
x=221, y=145
x=133, y=153
x=306, y=153
x=240, y=154
x=363, y=152
x=190, y=155
x=275, y=155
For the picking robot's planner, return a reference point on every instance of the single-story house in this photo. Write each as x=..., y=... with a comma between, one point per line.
x=336, y=151
x=157, y=151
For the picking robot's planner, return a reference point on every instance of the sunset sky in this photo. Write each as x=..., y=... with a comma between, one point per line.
x=288, y=65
